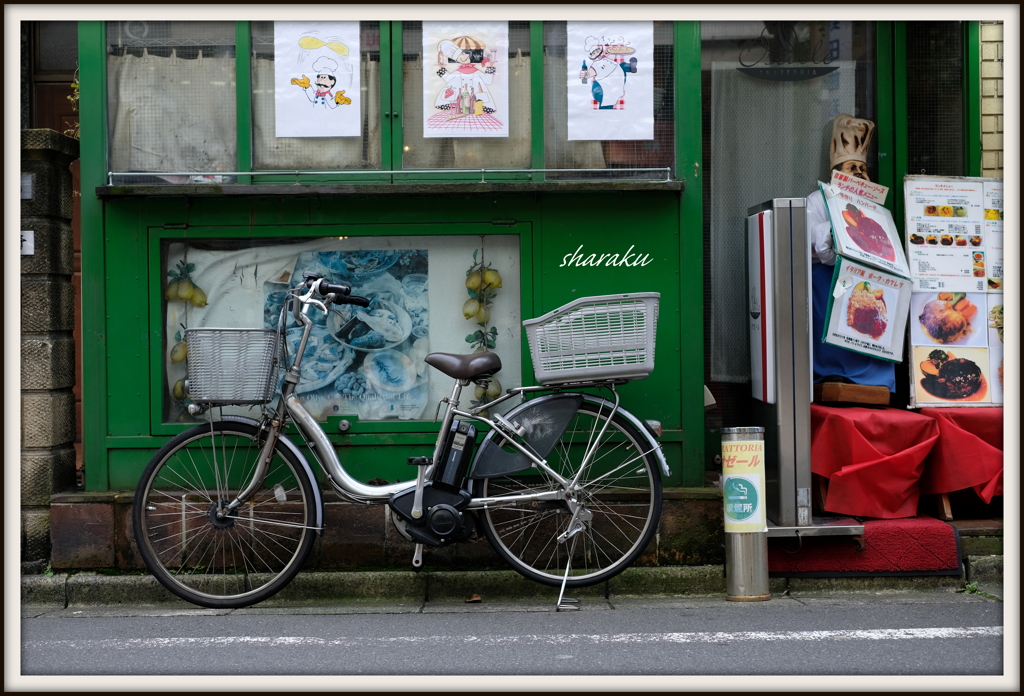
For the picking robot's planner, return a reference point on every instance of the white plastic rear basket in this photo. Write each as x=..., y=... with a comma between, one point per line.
x=595, y=338
x=231, y=366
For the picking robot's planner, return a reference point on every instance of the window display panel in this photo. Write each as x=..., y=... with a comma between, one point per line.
x=329, y=69
x=472, y=81
x=171, y=101
x=452, y=294
x=771, y=93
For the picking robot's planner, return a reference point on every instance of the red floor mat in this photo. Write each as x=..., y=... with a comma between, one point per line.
x=914, y=546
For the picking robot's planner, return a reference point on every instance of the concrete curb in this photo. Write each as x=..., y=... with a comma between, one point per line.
x=93, y=589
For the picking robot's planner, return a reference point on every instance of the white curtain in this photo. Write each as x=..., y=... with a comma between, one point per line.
x=768, y=140
x=171, y=114
x=512, y=152
x=560, y=152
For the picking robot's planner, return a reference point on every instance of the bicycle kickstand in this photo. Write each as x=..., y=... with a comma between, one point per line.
x=567, y=603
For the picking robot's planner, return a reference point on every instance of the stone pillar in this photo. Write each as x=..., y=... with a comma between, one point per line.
x=47, y=343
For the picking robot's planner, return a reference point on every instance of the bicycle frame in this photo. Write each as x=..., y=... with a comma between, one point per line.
x=350, y=488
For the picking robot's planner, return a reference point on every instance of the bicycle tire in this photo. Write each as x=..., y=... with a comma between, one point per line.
x=223, y=563
x=622, y=488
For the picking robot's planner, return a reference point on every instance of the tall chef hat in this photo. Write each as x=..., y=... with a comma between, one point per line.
x=325, y=65
x=590, y=44
x=850, y=139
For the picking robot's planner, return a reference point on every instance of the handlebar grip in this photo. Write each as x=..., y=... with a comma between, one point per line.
x=358, y=301
x=338, y=289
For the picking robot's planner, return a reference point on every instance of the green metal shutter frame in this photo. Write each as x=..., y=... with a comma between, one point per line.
x=122, y=270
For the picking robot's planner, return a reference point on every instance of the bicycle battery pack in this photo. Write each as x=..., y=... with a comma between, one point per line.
x=544, y=420
x=457, y=449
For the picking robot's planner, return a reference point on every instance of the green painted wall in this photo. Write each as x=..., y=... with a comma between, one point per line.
x=551, y=227
x=122, y=278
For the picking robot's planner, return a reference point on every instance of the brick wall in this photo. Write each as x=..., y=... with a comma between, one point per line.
x=992, y=99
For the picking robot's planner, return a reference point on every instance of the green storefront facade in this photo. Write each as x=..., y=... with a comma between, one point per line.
x=553, y=219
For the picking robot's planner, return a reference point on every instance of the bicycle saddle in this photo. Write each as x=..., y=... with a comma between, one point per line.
x=465, y=366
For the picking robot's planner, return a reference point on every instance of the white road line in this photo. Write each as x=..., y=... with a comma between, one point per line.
x=561, y=639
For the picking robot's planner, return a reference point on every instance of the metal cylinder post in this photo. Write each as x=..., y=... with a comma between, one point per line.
x=746, y=539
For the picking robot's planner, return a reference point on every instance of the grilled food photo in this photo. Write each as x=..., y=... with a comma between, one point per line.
x=947, y=319
x=867, y=234
x=866, y=311
x=949, y=377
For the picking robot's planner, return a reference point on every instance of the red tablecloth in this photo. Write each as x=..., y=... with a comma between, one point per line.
x=968, y=453
x=873, y=458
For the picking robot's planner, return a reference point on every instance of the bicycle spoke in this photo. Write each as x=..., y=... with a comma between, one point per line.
x=619, y=487
x=234, y=560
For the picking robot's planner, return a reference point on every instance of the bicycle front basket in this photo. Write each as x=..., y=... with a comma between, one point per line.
x=595, y=338
x=231, y=366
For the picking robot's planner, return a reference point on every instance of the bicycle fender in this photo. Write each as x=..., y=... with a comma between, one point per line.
x=544, y=418
x=317, y=498
x=640, y=428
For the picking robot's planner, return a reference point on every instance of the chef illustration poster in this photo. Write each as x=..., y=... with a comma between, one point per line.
x=610, y=73
x=316, y=79
x=465, y=80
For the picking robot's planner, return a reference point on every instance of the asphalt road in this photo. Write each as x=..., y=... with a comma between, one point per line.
x=883, y=634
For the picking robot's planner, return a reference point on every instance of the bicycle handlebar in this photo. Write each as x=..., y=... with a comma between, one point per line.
x=338, y=293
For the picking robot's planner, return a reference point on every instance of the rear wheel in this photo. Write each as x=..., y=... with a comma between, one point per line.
x=619, y=494
x=233, y=560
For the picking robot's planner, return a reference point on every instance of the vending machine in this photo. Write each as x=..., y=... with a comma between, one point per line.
x=779, y=297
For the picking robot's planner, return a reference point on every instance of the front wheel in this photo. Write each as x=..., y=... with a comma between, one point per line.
x=619, y=494
x=223, y=561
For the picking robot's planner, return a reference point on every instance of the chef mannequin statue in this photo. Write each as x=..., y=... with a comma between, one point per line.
x=848, y=153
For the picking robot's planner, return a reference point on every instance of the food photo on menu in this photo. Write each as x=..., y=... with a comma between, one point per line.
x=945, y=375
x=864, y=230
x=868, y=310
x=948, y=318
x=867, y=314
x=995, y=344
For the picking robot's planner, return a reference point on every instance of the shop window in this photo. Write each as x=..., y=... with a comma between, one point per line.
x=447, y=103
x=311, y=153
x=771, y=91
x=363, y=363
x=565, y=150
x=935, y=98
x=171, y=99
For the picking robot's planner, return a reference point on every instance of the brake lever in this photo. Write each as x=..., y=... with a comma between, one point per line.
x=318, y=304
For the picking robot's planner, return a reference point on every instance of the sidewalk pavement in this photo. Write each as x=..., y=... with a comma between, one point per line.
x=406, y=591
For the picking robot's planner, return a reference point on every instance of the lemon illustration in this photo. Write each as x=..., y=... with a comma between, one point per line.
x=185, y=289
x=179, y=352
x=473, y=280
x=178, y=391
x=492, y=278
x=172, y=292
x=198, y=297
x=470, y=308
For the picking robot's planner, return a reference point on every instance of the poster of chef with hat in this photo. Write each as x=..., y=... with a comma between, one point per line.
x=610, y=68
x=465, y=79
x=316, y=79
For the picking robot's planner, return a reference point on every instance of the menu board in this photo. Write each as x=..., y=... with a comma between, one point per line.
x=863, y=230
x=955, y=252
x=949, y=231
x=867, y=312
